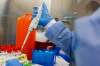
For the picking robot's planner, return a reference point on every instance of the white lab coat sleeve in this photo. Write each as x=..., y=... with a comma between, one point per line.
x=60, y=36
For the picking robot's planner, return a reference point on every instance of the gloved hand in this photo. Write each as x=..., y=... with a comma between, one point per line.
x=42, y=17
x=35, y=18
x=45, y=17
x=35, y=12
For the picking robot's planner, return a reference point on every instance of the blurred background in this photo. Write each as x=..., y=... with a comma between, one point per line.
x=10, y=10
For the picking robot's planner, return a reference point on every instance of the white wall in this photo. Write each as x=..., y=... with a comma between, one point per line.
x=2, y=6
x=60, y=8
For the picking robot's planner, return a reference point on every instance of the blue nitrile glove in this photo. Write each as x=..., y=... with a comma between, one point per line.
x=45, y=17
x=63, y=55
x=35, y=12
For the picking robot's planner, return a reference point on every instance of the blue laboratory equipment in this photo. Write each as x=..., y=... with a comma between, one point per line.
x=13, y=62
x=44, y=57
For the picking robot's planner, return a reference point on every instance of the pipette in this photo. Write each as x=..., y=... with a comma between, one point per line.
x=34, y=22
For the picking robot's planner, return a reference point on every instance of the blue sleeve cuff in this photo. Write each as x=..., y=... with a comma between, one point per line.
x=60, y=36
x=55, y=30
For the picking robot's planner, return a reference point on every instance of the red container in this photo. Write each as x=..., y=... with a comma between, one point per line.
x=21, y=31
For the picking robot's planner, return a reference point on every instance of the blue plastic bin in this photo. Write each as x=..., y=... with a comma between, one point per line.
x=45, y=58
